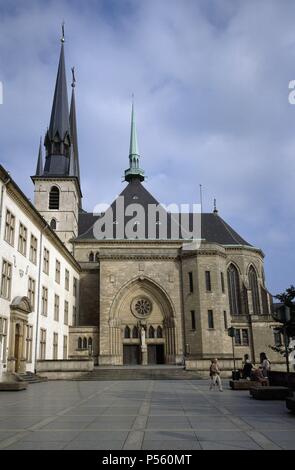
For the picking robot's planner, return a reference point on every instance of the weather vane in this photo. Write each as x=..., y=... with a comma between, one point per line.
x=63, y=32
x=73, y=77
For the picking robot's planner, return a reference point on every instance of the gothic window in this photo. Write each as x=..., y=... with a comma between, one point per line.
x=84, y=343
x=53, y=224
x=151, y=332
x=159, y=332
x=90, y=343
x=80, y=343
x=135, y=332
x=91, y=257
x=127, y=332
x=97, y=257
x=254, y=289
x=234, y=290
x=54, y=198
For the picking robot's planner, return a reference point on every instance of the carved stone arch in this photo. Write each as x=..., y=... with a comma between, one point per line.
x=21, y=304
x=157, y=290
x=235, y=265
x=252, y=265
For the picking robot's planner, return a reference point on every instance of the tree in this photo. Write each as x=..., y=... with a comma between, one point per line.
x=288, y=328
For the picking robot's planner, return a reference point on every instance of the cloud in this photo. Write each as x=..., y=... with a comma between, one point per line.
x=211, y=90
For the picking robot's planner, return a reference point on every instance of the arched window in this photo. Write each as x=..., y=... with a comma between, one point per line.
x=127, y=332
x=252, y=276
x=84, y=343
x=234, y=290
x=97, y=257
x=54, y=198
x=135, y=332
x=159, y=332
x=151, y=332
x=80, y=343
x=90, y=343
x=91, y=257
x=53, y=224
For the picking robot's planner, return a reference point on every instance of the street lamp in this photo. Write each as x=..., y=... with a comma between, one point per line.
x=282, y=315
x=232, y=332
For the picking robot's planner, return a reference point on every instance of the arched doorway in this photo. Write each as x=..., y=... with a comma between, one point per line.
x=142, y=325
x=20, y=308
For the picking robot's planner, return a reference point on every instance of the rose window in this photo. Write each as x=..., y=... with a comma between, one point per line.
x=142, y=307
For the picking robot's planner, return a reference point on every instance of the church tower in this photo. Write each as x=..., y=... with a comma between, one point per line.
x=57, y=182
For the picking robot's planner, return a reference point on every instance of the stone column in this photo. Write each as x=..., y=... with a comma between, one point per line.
x=11, y=358
x=23, y=360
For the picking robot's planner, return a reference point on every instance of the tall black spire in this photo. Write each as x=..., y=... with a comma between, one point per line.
x=39, y=168
x=74, y=164
x=58, y=136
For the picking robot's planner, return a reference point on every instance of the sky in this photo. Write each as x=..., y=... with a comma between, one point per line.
x=210, y=79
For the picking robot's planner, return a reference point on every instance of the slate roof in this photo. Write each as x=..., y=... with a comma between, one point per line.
x=213, y=228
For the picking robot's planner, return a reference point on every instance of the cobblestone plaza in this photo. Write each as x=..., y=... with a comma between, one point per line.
x=134, y=415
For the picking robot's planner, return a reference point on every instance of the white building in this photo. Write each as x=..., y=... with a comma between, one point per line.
x=39, y=284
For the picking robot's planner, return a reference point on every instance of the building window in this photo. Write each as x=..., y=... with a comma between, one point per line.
x=22, y=239
x=46, y=261
x=193, y=319
x=42, y=353
x=252, y=276
x=159, y=332
x=90, y=345
x=222, y=283
x=151, y=332
x=6, y=279
x=238, y=341
x=127, y=332
x=65, y=348
x=54, y=198
x=277, y=338
x=75, y=287
x=29, y=342
x=55, y=346
x=210, y=319
x=234, y=290
x=3, y=339
x=9, y=228
x=208, y=281
x=67, y=280
x=84, y=343
x=74, y=321
x=135, y=332
x=225, y=320
x=66, y=315
x=33, y=249
x=245, y=337
x=191, y=282
x=44, y=309
x=57, y=271
x=97, y=257
x=32, y=292
x=56, y=307
x=91, y=257
x=80, y=344
x=53, y=224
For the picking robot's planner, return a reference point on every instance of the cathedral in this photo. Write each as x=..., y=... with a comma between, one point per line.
x=148, y=294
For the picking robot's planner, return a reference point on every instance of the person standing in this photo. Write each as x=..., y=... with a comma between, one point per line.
x=264, y=364
x=215, y=375
x=247, y=369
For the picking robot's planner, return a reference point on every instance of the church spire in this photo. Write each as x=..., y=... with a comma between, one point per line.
x=133, y=171
x=74, y=164
x=39, y=168
x=58, y=140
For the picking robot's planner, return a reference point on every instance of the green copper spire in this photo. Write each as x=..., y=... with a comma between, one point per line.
x=133, y=171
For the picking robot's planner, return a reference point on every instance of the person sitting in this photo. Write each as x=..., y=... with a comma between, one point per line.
x=257, y=376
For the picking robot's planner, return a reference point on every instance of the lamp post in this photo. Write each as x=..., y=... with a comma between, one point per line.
x=231, y=332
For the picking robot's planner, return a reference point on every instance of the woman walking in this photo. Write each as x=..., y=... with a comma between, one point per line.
x=264, y=364
x=215, y=375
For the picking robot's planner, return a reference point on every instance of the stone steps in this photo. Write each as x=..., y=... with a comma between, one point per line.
x=139, y=374
x=31, y=378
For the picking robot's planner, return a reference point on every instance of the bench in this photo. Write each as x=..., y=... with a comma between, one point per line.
x=243, y=384
x=290, y=404
x=269, y=393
